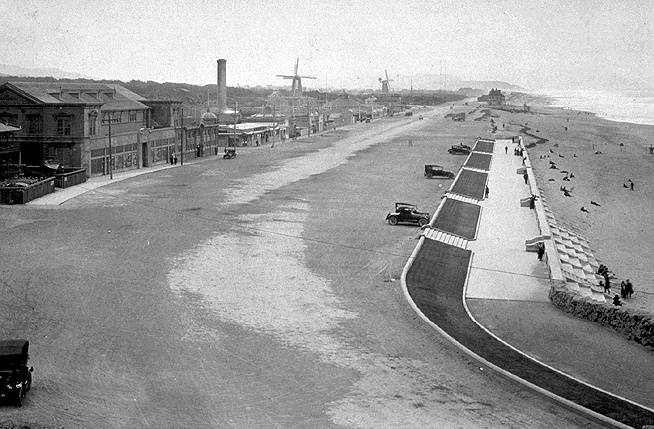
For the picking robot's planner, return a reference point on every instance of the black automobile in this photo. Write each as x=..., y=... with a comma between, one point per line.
x=230, y=152
x=407, y=213
x=459, y=149
x=15, y=376
x=433, y=171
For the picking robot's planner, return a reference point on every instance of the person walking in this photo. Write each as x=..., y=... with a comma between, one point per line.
x=541, y=251
x=629, y=289
x=607, y=287
x=526, y=177
x=487, y=191
x=506, y=149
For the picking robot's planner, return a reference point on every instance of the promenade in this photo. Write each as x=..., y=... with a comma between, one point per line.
x=505, y=318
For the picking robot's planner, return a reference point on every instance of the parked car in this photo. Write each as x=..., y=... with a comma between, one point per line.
x=407, y=213
x=433, y=171
x=459, y=149
x=15, y=377
x=230, y=152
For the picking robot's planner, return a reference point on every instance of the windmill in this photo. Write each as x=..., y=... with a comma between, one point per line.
x=385, y=84
x=296, y=86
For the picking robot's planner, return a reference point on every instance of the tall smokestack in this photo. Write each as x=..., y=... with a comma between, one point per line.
x=222, y=85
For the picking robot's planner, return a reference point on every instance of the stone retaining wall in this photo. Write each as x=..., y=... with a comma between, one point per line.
x=635, y=325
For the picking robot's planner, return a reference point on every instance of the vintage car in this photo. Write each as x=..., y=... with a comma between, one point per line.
x=433, y=171
x=459, y=149
x=15, y=376
x=230, y=152
x=407, y=213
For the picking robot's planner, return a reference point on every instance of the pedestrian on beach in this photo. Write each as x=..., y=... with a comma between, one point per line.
x=616, y=300
x=541, y=251
x=526, y=177
x=629, y=288
x=506, y=149
x=607, y=281
x=607, y=287
x=623, y=289
x=631, y=184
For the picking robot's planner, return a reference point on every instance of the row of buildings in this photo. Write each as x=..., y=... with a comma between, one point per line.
x=90, y=125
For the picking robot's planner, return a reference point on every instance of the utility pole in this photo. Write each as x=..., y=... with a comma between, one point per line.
x=181, y=155
x=274, y=125
x=111, y=157
x=235, y=110
x=308, y=118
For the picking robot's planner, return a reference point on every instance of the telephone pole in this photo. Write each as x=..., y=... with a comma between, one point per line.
x=274, y=126
x=111, y=155
x=181, y=155
x=308, y=118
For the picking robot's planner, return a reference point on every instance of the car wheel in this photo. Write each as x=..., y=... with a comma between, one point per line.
x=422, y=222
x=392, y=220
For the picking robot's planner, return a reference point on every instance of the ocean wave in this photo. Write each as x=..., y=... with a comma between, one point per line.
x=625, y=106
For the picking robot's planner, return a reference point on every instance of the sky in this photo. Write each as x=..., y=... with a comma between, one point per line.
x=562, y=44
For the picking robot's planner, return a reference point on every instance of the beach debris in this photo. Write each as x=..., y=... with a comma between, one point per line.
x=598, y=152
x=595, y=204
x=551, y=180
x=574, y=155
x=584, y=209
x=624, y=185
x=556, y=145
x=572, y=175
x=551, y=151
x=554, y=166
x=564, y=171
x=561, y=156
x=566, y=179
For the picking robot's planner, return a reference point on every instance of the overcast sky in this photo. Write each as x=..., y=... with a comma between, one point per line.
x=536, y=44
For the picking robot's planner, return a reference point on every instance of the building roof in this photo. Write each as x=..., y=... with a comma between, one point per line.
x=4, y=128
x=109, y=96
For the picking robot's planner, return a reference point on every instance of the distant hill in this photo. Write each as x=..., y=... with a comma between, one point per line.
x=9, y=70
x=433, y=82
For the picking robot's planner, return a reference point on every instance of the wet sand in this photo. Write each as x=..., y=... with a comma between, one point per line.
x=620, y=228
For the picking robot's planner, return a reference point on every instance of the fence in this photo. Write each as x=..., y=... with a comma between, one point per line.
x=24, y=194
x=70, y=177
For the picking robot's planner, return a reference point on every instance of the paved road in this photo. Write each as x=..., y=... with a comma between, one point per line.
x=256, y=292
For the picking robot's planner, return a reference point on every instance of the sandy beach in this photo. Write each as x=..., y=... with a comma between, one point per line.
x=602, y=155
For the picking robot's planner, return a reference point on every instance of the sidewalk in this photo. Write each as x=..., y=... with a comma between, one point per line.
x=60, y=196
x=507, y=293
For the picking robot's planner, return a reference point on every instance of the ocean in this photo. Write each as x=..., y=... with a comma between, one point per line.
x=634, y=106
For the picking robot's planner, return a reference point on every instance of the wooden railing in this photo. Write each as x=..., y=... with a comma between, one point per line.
x=70, y=177
x=24, y=194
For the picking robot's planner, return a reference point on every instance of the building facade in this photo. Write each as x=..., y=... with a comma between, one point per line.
x=75, y=124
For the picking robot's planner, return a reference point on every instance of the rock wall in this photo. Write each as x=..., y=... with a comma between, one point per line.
x=635, y=325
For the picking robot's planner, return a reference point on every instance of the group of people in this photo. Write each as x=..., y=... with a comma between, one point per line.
x=173, y=159
x=626, y=288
